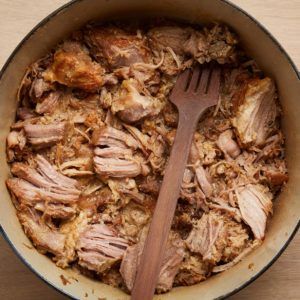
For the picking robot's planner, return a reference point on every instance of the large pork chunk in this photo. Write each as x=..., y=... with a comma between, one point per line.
x=131, y=106
x=42, y=136
x=256, y=112
x=73, y=67
x=99, y=247
x=117, y=47
x=255, y=205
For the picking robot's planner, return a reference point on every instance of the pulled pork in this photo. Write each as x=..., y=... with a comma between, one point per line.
x=99, y=248
x=93, y=133
x=173, y=257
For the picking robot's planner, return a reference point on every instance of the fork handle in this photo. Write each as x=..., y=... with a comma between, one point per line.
x=155, y=245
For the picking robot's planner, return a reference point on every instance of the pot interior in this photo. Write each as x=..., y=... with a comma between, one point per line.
x=258, y=44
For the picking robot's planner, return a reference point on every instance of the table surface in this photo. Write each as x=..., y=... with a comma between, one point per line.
x=282, y=18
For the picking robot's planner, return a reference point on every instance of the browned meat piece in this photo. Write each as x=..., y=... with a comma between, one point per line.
x=116, y=46
x=105, y=135
x=216, y=43
x=228, y=145
x=169, y=41
x=44, y=238
x=174, y=37
x=204, y=181
x=48, y=104
x=131, y=106
x=42, y=136
x=73, y=67
x=276, y=177
x=99, y=248
x=16, y=142
x=173, y=257
x=221, y=45
x=255, y=205
x=115, y=167
x=256, y=112
x=204, y=235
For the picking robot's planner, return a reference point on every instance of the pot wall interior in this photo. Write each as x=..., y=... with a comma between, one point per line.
x=258, y=44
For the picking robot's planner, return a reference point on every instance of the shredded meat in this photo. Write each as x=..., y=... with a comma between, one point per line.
x=116, y=159
x=99, y=248
x=44, y=189
x=93, y=132
x=42, y=136
x=171, y=261
x=48, y=104
x=204, y=181
x=192, y=270
x=204, y=235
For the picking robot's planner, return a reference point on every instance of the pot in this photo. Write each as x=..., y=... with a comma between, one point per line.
x=259, y=44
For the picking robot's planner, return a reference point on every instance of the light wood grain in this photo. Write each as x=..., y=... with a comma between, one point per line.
x=282, y=19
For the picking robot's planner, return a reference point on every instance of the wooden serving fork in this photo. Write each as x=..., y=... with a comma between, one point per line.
x=195, y=90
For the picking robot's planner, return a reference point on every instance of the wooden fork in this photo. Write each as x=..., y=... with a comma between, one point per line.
x=194, y=91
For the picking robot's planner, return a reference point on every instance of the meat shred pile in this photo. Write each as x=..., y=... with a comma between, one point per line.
x=92, y=137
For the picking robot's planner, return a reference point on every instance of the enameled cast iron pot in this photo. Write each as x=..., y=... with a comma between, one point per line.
x=259, y=44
